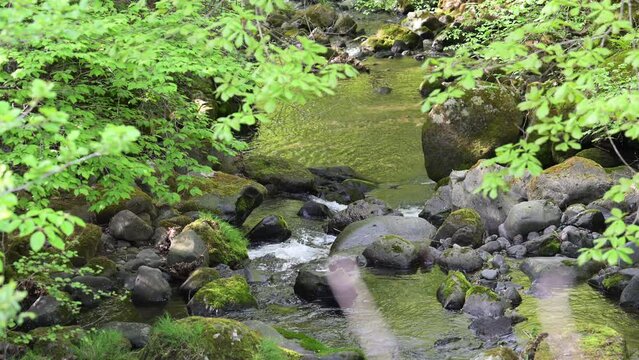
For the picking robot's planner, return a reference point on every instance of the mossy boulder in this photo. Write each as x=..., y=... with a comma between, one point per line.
x=86, y=242
x=345, y=25
x=283, y=175
x=461, y=131
x=197, y=337
x=220, y=296
x=388, y=35
x=600, y=156
x=464, y=226
x=483, y=302
x=576, y=180
x=197, y=279
x=225, y=244
x=138, y=202
x=452, y=292
x=102, y=266
x=545, y=245
x=231, y=198
x=271, y=229
x=464, y=259
x=318, y=16
x=391, y=251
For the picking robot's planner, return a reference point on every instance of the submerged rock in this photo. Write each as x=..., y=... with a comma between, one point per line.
x=576, y=180
x=220, y=296
x=462, y=131
x=358, y=235
x=465, y=228
x=391, y=251
x=271, y=229
x=231, y=198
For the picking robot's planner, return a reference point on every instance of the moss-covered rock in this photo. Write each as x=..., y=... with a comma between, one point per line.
x=452, y=292
x=102, y=266
x=284, y=175
x=481, y=302
x=197, y=280
x=220, y=296
x=391, y=251
x=464, y=226
x=86, y=242
x=226, y=244
x=461, y=131
x=197, y=337
x=576, y=180
x=600, y=156
x=231, y=198
x=545, y=245
x=137, y=202
x=465, y=259
x=387, y=35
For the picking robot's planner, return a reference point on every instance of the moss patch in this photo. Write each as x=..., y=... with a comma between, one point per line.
x=602, y=343
x=226, y=294
x=482, y=290
x=312, y=344
x=454, y=280
x=226, y=244
x=102, y=266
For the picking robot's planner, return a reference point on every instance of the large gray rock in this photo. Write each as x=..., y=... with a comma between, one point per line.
x=137, y=333
x=493, y=211
x=359, y=210
x=483, y=302
x=391, y=251
x=629, y=299
x=576, y=180
x=463, y=130
x=358, y=235
x=437, y=208
x=312, y=285
x=188, y=247
x=461, y=258
x=125, y=225
x=464, y=227
x=150, y=287
x=93, y=290
x=529, y=216
x=48, y=311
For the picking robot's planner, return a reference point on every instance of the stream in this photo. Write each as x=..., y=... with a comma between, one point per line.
x=379, y=136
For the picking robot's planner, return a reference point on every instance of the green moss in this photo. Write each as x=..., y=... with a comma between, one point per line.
x=569, y=262
x=226, y=244
x=86, y=242
x=602, y=343
x=222, y=184
x=312, y=344
x=281, y=309
x=227, y=293
x=550, y=247
x=176, y=221
x=269, y=350
x=196, y=338
x=387, y=35
x=443, y=181
x=103, y=266
x=612, y=281
x=454, y=280
x=269, y=169
x=482, y=290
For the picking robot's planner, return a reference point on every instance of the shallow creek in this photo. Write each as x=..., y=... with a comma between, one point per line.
x=379, y=136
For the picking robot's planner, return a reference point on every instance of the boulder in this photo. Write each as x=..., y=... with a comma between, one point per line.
x=465, y=228
x=591, y=219
x=147, y=257
x=312, y=210
x=220, y=339
x=226, y=245
x=188, y=247
x=491, y=328
x=529, y=216
x=48, y=312
x=102, y=266
x=197, y=279
x=312, y=285
x=359, y=210
x=544, y=245
x=493, y=212
x=463, y=130
x=452, y=292
x=271, y=229
x=86, y=242
x=387, y=35
x=319, y=16
x=137, y=202
x=437, y=208
x=576, y=180
x=283, y=175
x=483, y=302
x=92, y=291
x=629, y=299
x=150, y=287
x=345, y=25
x=125, y=225
x=461, y=258
x=613, y=281
x=358, y=235
x=229, y=197
x=221, y=296
x=137, y=333
x=391, y=251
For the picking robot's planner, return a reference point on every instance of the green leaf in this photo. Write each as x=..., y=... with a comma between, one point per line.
x=37, y=241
